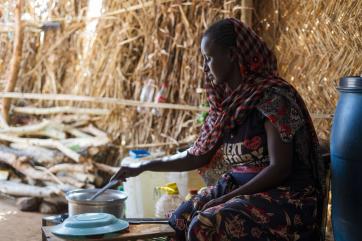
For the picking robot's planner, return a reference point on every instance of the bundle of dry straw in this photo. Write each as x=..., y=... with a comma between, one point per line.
x=316, y=43
x=115, y=54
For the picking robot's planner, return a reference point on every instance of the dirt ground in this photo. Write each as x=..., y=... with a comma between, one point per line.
x=16, y=225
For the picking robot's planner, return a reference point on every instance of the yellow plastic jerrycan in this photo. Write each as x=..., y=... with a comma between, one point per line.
x=168, y=201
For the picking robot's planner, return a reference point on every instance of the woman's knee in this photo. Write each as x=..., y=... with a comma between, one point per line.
x=198, y=230
x=194, y=228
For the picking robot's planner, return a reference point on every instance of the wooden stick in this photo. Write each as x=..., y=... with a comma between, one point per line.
x=20, y=189
x=40, y=154
x=52, y=176
x=78, y=133
x=85, y=142
x=26, y=129
x=60, y=109
x=106, y=168
x=90, y=111
x=67, y=167
x=43, y=142
x=67, y=151
x=11, y=28
x=80, y=120
x=247, y=12
x=95, y=131
x=45, y=128
x=156, y=144
x=51, y=133
x=15, y=60
x=102, y=100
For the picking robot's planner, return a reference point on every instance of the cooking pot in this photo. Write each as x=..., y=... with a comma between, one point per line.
x=111, y=201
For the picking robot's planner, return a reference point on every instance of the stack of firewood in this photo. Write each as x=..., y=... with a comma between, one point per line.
x=41, y=161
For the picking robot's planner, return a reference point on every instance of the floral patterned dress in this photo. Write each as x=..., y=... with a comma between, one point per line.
x=287, y=212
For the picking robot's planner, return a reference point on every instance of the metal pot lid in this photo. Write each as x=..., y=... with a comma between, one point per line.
x=350, y=83
x=82, y=196
x=87, y=224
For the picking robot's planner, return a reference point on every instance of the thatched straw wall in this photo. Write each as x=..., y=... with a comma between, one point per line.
x=132, y=43
x=316, y=42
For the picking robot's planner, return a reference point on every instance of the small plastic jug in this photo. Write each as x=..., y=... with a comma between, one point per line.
x=169, y=201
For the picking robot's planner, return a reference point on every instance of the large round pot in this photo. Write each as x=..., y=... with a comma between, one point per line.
x=111, y=201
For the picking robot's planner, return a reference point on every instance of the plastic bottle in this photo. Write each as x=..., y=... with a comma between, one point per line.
x=147, y=93
x=169, y=201
x=161, y=97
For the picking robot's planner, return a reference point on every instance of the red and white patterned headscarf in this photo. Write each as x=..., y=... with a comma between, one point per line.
x=258, y=69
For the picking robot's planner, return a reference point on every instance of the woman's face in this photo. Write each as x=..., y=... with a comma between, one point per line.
x=218, y=63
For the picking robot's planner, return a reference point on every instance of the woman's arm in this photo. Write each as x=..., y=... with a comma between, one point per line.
x=281, y=158
x=176, y=163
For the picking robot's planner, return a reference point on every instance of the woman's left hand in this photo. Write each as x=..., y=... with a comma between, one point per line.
x=214, y=202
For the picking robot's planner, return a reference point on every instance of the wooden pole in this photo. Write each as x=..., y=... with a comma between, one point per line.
x=247, y=12
x=15, y=60
x=59, y=109
x=101, y=100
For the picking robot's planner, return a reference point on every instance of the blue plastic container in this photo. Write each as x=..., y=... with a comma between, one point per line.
x=346, y=154
x=138, y=153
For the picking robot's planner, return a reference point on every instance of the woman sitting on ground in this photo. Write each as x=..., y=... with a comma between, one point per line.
x=258, y=142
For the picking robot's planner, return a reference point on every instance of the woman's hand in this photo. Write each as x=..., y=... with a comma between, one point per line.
x=128, y=171
x=215, y=202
